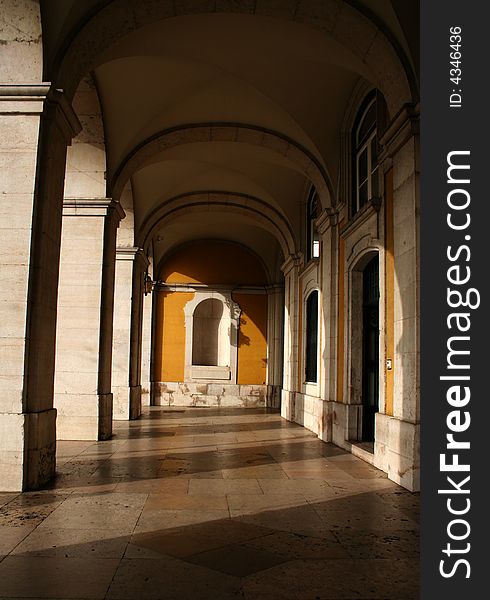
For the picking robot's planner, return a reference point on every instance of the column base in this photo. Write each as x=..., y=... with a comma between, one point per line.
x=105, y=416
x=145, y=395
x=396, y=450
x=27, y=450
x=346, y=423
x=287, y=405
x=273, y=396
x=127, y=402
x=134, y=401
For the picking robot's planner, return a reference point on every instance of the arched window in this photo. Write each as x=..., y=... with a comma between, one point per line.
x=312, y=236
x=365, y=154
x=311, y=354
x=206, y=332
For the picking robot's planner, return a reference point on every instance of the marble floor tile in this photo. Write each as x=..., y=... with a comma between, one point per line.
x=257, y=472
x=238, y=560
x=362, y=511
x=74, y=543
x=119, y=511
x=177, y=501
x=10, y=537
x=30, y=509
x=229, y=486
x=312, y=487
x=245, y=505
x=52, y=578
x=167, y=485
x=187, y=541
x=6, y=497
x=301, y=520
x=171, y=579
x=293, y=546
x=369, y=544
x=154, y=520
x=338, y=579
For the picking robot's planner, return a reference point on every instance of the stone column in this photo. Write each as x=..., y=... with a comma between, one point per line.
x=291, y=338
x=275, y=316
x=131, y=264
x=37, y=124
x=146, y=348
x=154, y=379
x=83, y=395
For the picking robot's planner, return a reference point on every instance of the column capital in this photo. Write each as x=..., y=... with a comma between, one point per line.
x=37, y=98
x=92, y=207
x=291, y=262
x=58, y=109
x=23, y=98
x=132, y=253
x=328, y=218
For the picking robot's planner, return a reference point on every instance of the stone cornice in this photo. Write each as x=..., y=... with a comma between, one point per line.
x=24, y=91
x=223, y=288
x=311, y=266
x=132, y=254
x=293, y=260
x=366, y=212
x=26, y=98
x=327, y=219
x=404, y=125
x=92, y=207
x=36, y=98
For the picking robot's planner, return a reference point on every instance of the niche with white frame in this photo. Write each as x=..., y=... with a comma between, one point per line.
x=211, y=340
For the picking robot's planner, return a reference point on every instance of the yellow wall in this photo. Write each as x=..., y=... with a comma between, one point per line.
x=213, y=261
x=170, y=335
x=252, y=339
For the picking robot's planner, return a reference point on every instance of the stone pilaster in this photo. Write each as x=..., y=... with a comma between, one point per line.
x=83, y=395
x=290, y=269
x=146, y=347
x=328, y=230
x=275, y=308
x=131, y=265
x=397, y=435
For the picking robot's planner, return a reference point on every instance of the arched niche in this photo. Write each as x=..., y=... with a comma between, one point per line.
x=209, y=335
x=212, y=320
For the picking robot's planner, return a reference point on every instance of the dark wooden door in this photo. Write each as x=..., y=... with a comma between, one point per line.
x=370, y=359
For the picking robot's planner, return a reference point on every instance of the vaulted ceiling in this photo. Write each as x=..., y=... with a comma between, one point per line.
x=223, y=102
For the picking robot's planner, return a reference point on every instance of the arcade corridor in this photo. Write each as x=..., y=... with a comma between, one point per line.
x=210, y=503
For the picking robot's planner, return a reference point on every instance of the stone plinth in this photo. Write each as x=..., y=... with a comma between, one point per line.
x=171, y=393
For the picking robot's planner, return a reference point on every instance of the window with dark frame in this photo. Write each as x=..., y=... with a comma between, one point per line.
x=311, y=358
x=365, y=154
x=312, y=235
